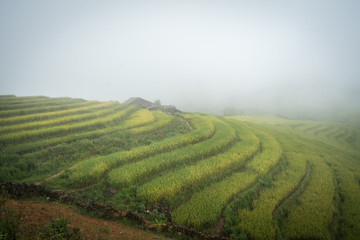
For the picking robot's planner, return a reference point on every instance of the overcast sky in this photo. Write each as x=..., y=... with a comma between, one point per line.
x=197, y=55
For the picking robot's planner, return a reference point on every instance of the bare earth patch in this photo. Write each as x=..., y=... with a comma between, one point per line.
x=38, y=214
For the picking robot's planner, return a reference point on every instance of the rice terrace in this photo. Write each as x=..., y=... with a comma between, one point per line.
x=239, y=177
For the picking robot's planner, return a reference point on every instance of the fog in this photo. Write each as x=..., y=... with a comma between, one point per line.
x=288, y=57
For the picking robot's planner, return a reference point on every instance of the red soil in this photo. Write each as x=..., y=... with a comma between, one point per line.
x=37, y=214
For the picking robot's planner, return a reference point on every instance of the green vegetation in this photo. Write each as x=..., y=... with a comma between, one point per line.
x=111, y=115
x=72, y=116
x=29, y=118
x=43, y=109
x=172, y=182
x=205, y=207
x=312, y=216
x=92, y=170
x=131, y=173
x=258, y=222
x=267, y=178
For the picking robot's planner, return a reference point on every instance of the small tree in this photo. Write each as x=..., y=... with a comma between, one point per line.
x=157, y=102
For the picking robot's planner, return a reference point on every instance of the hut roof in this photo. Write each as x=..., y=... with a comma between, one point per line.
x=139, y=102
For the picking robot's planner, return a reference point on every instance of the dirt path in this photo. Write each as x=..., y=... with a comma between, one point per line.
x=219, y=227
x=187, y=123
x=51, y=177
x=35, y=215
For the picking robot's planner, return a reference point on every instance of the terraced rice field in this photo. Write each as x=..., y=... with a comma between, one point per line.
x=241, y=177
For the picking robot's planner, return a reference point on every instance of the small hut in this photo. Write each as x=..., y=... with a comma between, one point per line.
x=151, y=106
x=140, y=102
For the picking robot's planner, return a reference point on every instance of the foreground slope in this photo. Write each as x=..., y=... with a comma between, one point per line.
x=40, y=220
x=262, y=178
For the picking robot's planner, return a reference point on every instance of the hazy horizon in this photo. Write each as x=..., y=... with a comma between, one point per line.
x=196, y=55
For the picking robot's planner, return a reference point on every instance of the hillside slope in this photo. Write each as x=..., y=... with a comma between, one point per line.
x=40, y=220
x=263, y=178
